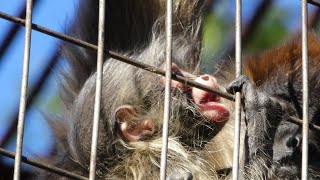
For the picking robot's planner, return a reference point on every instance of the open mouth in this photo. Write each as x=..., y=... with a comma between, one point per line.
x=210, y=106
x=208, y=97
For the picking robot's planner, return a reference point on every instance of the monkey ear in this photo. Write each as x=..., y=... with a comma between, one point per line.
x=131, y=127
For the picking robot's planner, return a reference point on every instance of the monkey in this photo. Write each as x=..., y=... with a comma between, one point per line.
x=271, y=93
x=132, y=99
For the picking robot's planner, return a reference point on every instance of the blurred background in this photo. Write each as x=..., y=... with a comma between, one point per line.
x=266, y=23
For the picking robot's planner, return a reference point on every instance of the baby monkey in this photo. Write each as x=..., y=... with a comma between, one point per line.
x=131, y=114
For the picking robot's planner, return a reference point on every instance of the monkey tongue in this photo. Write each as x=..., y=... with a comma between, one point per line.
x=214, y=111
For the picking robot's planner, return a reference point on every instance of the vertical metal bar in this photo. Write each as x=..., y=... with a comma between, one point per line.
x=167, y=114
x=305, y=91
x=236, y=150
x=95, y=130
x=24, y=87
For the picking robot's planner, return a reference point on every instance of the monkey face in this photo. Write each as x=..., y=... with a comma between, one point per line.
x=208, y=104
x=274, y=145
x=196, y=114
x=132, y=110
x=287, y=150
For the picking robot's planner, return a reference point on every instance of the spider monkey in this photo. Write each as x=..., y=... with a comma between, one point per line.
x=271, y=93
x=130, y=131
x=132, y=100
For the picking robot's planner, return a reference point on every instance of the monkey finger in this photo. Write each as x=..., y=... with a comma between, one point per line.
x=238, y=84
x=243, y=84
x=250, y=98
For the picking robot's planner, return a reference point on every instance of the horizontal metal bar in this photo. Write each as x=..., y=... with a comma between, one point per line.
x=314, y=2
x=32, y=95
x=13, y=31
x=134, y=62
x=298, y=121
x=117, y=56
x=44, y=166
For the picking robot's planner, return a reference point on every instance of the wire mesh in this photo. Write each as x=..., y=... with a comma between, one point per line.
x=116, y=56
x=314, y=2
x=101, y=51
x=42, y=165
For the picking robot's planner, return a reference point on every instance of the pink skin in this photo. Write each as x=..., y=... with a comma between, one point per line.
x=209, y=104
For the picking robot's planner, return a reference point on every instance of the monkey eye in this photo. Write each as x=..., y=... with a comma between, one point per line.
x=178, y=73
x=176, y=70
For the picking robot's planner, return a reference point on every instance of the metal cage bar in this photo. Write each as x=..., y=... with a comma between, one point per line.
x=13, y=30
x=305, y=90
x=96, y=118
x=44, y=166
x=167, y=96
x=314, y=2
x=24, y=86
x=117, y=56
x=28, y=24
x=236, y=148
x=133, y=62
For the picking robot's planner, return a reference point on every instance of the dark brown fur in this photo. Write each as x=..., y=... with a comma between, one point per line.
x=270, y=97
x=260, y=68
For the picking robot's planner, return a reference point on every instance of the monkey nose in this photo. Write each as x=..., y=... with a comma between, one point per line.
x=207, y=80
x=205, y=77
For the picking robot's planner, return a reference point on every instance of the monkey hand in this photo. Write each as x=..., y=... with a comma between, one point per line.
x=263, y=114
x=261, y=109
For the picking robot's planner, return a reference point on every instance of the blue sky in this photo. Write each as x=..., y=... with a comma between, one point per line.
x=50, y=14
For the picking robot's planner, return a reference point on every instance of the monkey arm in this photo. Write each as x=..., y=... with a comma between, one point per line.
x=263, y=113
